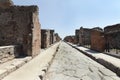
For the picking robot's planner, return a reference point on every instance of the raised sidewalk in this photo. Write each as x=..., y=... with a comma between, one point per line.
x=34, y=69
x=108, y=61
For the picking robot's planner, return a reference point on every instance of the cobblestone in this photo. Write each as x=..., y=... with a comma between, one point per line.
x=70, y=64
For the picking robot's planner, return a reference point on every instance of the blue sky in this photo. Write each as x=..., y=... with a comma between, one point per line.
x=67, y=15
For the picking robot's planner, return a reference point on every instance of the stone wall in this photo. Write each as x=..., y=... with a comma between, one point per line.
x=97, y=40
x=6, y=3
x=77, y=36
x=112, y=34
x=8, y=53
x=45, y=38
x=51, y=37
x=70, y=39
x=19, y=25
x=84, y=36
x=56, y=37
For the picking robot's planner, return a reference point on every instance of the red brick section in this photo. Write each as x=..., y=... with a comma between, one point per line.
x=97, y=40
x=36, y=40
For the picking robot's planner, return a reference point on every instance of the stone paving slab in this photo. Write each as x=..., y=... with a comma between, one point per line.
x=71, y=64
x=36, y=68
x=12, y=65
x=108, y=61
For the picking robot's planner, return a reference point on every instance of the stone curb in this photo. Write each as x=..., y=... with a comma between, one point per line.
x=46, y=67
x=103, y=62
x=41, y=66
x=13, y=66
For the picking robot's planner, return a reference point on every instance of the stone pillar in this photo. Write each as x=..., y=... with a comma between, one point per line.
x=45, y=38
x=51, y=37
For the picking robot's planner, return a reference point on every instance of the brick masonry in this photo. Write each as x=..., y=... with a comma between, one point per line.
x=97, y=40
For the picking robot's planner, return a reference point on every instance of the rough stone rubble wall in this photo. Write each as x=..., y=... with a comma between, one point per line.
x=19, y=25
x=8, y=53
x=84, y=36
x=112, y=34
x=45, y=38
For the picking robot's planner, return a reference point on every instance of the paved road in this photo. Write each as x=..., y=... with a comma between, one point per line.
x=70, y=64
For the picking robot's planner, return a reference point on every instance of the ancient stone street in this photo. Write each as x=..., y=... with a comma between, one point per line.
x=70, y=64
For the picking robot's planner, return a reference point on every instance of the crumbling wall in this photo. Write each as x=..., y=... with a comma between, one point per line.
x=112, y=34
x=77, y=36
x=51, y=37
x=56, y=37
x=36, y=31
x=8, y=53
x=45, y=38
x=84, y=36
x=70, y=39
x=19, y=25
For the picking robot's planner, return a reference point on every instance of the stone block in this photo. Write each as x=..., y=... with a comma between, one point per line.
x=3, y=73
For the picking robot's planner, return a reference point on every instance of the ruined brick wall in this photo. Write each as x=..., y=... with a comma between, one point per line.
x=84, y=36
x=45, y=38
x=97, y=40
x=112, y=34
x=19, y=25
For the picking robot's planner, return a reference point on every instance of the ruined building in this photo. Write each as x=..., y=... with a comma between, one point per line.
x=112, y=35
x=84, y=36
x=51, y=37
x=47, y=36
x=19, y=25
x=77, y=36
x=56, y=37
x=70, y=39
